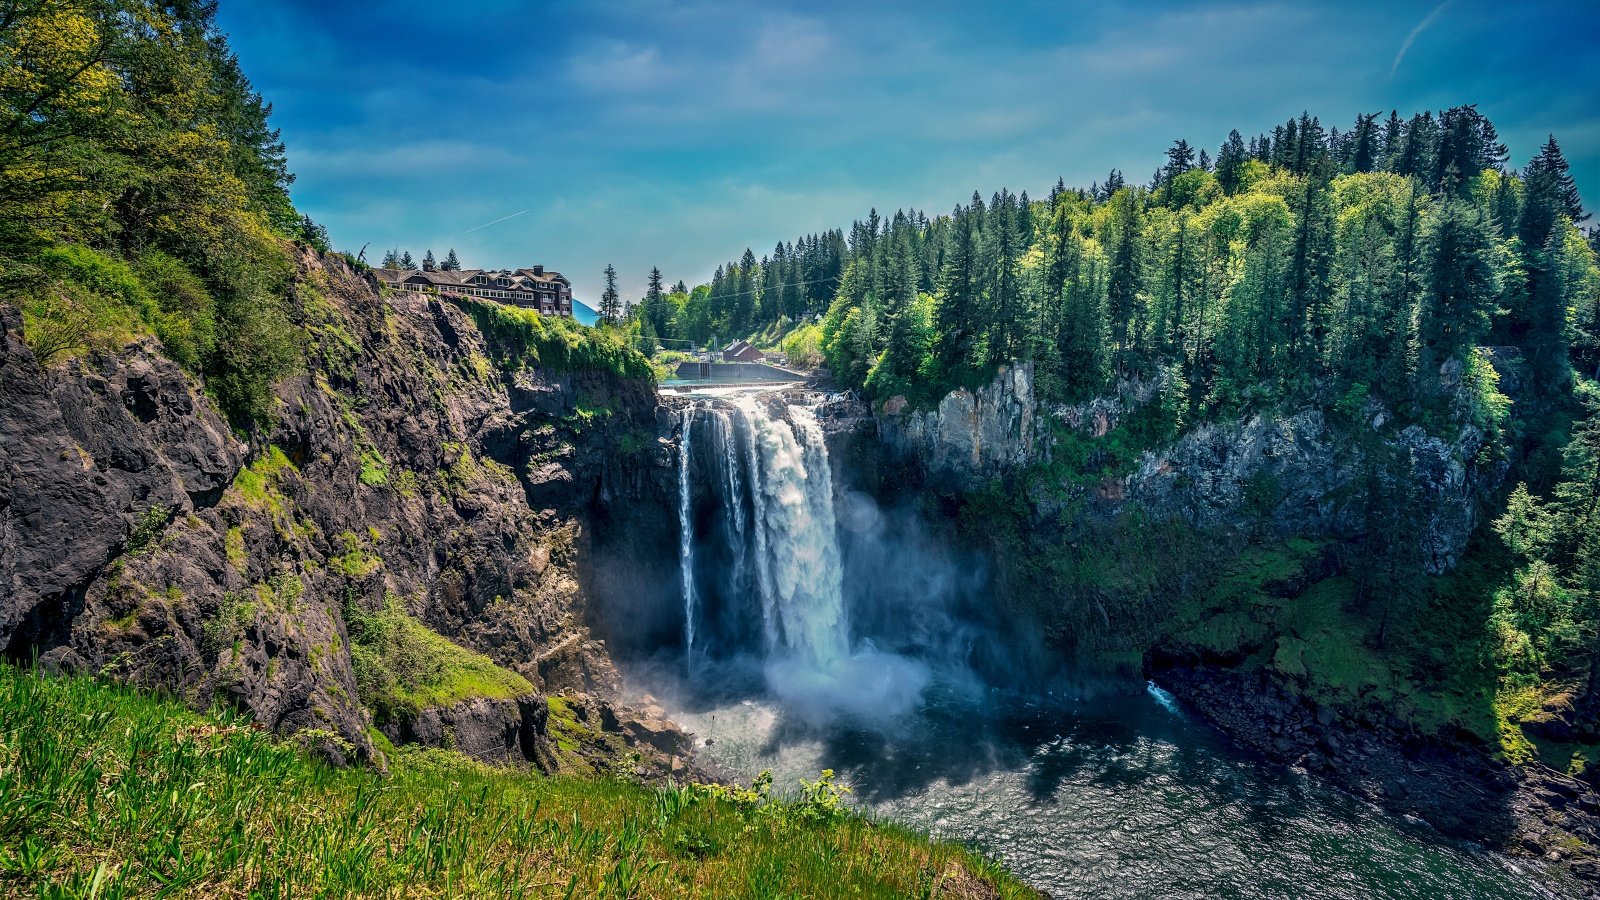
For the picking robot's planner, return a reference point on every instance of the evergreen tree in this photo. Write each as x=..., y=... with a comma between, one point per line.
x=1122, y=290
x=956, y=313
x=1005, y=305
x=1308, y=275
x=653, y=308
x=1550, y=183
x=1461, y=286
x=451, y=262
x=428, y=262
x=1180, y=159
x=906, y=349
x=1364, y=145
x=610, y=299
x=406, y=261
x=1539, y=312
x=1230, y=161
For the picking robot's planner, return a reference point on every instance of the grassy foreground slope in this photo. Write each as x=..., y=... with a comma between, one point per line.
x=105, y=792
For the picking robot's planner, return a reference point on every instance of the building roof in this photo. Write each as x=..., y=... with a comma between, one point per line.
x=524, y=279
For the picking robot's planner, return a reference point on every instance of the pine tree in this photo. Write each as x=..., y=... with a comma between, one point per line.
x=1461, y=286
x=610, y=299
x=1230, y=162
x=1308, y=274
x=1394, y=131
x=428, y=262
x=391, y=259
x=1005, y=303
x=956, y=320
x=653, y=307
x=1550, y=181
x=1122, y=290
x=1538, y=318
x=1364, y=145
x=906, y=348
x=1180, y=159
x=451, y=262
x=406, y=262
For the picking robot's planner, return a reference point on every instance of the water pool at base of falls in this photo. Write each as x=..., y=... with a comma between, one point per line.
x=1122, y=795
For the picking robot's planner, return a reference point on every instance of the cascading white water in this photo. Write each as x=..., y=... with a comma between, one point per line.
x=686, y=533
x=784, y=563
x=794, y=507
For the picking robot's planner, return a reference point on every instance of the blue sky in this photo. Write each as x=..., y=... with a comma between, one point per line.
x=642, y=132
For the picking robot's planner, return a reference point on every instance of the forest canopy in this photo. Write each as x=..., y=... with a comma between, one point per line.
x=1307, y=260
x=143, y=190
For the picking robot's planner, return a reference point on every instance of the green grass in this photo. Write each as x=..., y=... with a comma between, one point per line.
x=402, y=666
x=108, y=793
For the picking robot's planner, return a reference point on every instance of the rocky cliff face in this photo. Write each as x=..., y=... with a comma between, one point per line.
x=1292, y=472
x=971, y=435
x=141, y=538
x=1296, y=473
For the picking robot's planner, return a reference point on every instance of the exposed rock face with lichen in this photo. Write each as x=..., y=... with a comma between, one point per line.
x=971, y=435
x=1292, y=472
x=405, y=475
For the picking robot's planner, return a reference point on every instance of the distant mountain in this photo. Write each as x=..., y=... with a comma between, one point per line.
x=584, y=313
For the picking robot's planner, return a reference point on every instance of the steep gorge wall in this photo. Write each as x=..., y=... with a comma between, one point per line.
x=1292, y=471
x=141, y=538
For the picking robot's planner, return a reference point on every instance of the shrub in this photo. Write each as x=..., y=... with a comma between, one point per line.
x=75, y=299
x=187, y=320
x=257, y=346
x=803, y=347
x=522, y=337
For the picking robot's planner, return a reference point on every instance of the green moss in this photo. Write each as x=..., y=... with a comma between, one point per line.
x=402, y=666
x=233, y=548
x=256, y=483
x=355, y=561
x=374, y=470
x=1514, y=705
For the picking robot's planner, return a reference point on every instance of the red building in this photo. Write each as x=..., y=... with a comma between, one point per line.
x=741, y=351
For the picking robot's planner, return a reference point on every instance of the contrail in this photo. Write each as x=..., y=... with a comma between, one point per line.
x=1412, y=37
x=496, y=221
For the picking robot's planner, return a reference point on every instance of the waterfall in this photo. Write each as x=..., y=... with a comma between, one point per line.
x=781, y=594
x=686, y=533
x=805, y=585
x=778, y=468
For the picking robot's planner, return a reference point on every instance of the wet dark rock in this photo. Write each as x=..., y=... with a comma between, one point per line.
x=403, y=468
x=499, y=732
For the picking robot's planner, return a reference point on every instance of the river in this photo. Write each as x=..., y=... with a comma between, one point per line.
x=1118, y=793
x=1123, y=795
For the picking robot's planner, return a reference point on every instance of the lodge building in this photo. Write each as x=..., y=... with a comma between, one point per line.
x=532, y=288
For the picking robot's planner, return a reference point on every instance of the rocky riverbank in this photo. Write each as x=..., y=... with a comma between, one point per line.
x=1529, y=811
